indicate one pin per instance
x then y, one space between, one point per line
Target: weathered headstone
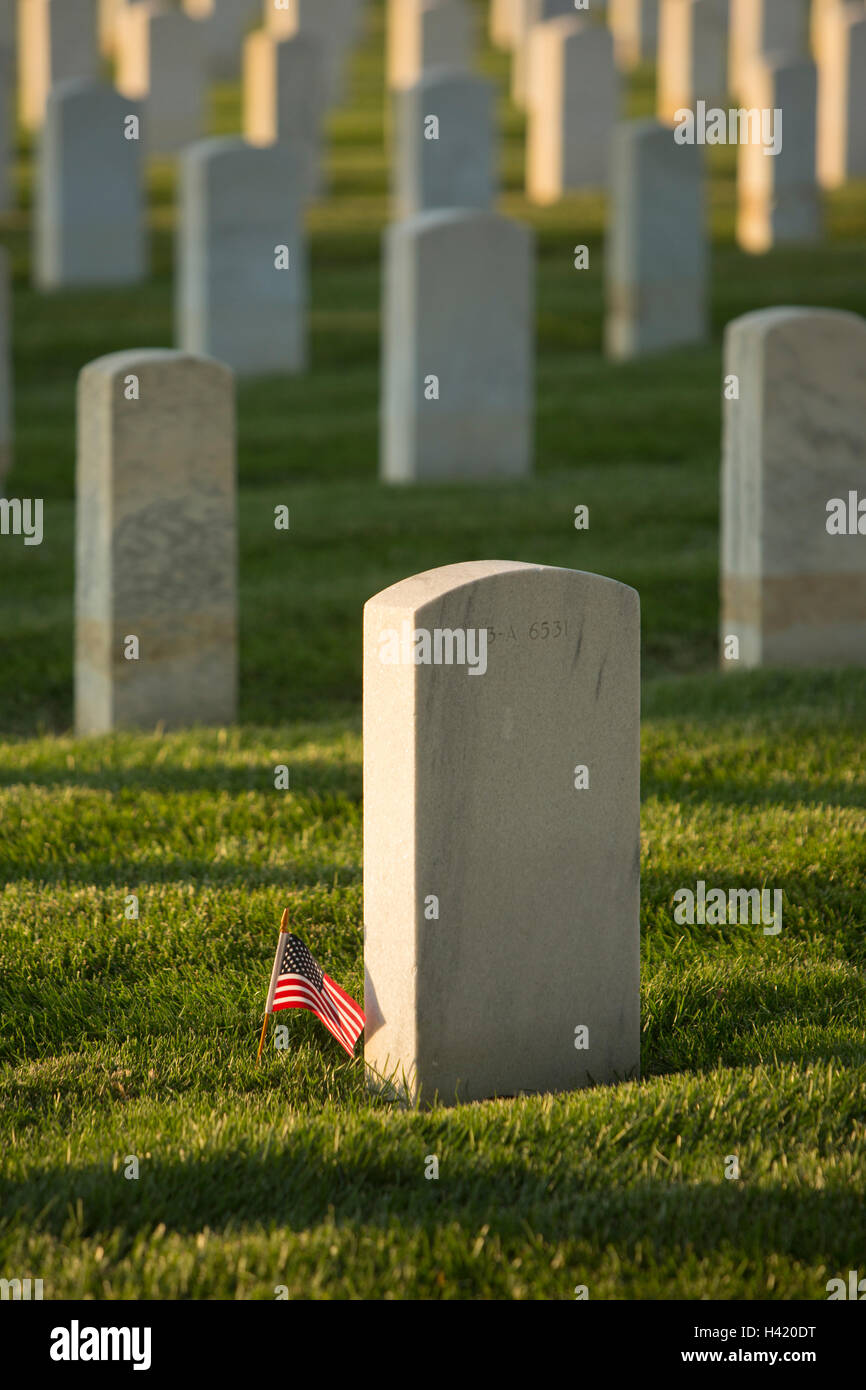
574 108
284 98
5 369
241 286
777 194
528 14
692 55
56 39
155 543
842 96
793 581
109 11
501 832
457 378
444 156
759 28
160 59
425 34
634 25
89 213
656 256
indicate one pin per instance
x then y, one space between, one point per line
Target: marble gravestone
793 567
778 199
56 39
574 108
155 543
634 25
89 205
656 257
528 15
444 145
426 34
224 24
284 99
502 21
457 364
692 55
324 20
161 60
241 281
501 832
842 96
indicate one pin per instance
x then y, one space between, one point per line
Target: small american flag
298 982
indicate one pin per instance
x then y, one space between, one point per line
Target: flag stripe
290 989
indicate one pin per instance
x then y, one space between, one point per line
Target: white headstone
761 27
501 832
503 14
225 23
89 207
444 155
793 545
155 543
56 39
692 55
634 25
656 254
777 194
284 98
425 34
160 59
457 377
842 97
527 15
241 281
574 108
324 20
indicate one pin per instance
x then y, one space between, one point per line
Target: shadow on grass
299 1188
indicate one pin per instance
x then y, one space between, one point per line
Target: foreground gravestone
56 39
425 34
528 15
5 370
89 214
444 155
634 25
284 98
160 59
759 28
574 108
777 194
241 289
842 96
457 380
793 583
156 563
501 831
692 55
656 256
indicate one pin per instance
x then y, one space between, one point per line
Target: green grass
124 1037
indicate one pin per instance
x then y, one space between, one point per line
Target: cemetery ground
138 1038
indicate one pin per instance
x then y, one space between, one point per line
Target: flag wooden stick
284 927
